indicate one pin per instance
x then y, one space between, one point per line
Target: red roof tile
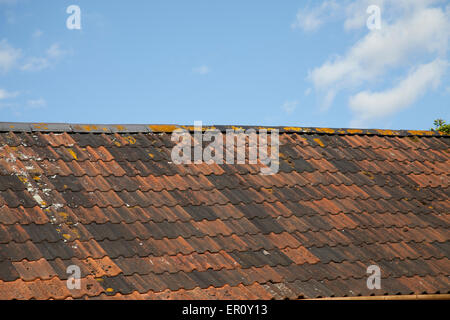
109 200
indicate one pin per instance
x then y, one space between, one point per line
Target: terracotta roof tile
108 199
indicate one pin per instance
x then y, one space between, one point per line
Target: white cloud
8 56
38 103
201 70
37 34
369 105
412 33
40 63
289 106
6 94
310 19
36 64
55 51
427 31
355 13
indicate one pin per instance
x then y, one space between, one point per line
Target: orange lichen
267 128
89 127
297 129
386 132
23 179
325 130
40 126
420 132
120 127
353 131
74 155
206 128
319 142
64 215
162 127
130 139
369 174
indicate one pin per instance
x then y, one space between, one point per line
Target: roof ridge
168 128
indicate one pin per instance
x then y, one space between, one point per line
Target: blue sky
295 63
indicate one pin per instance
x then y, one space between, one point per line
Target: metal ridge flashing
168 128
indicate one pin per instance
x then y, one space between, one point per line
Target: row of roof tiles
400 226
93 289
222 197
134 128
158 140
215 265
333 207
156 248
101 183
339 169
300 262
133 154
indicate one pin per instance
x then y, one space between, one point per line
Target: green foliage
440 125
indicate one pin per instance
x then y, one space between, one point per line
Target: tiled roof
108 199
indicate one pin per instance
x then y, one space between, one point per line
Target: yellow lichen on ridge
325 130
353 131
420 132
120 127
40 126
267 128
387 132
297 129
162 127
89 127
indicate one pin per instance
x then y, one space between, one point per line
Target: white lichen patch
57 206
11 158
41 193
